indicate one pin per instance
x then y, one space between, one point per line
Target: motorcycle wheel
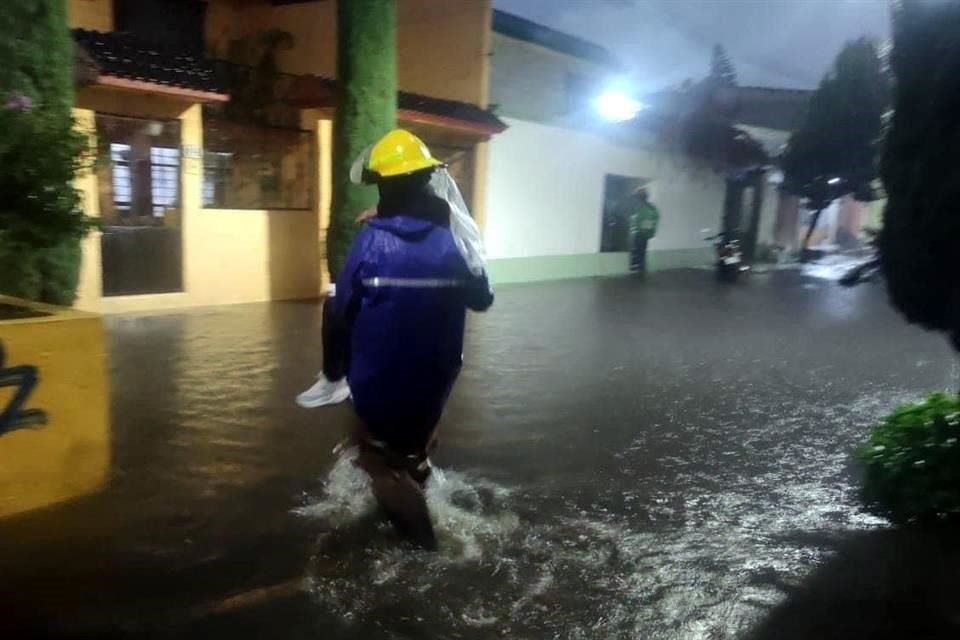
726 274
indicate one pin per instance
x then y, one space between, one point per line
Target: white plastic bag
466 233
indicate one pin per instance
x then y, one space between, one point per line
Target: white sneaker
324 393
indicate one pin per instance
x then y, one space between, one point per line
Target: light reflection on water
704 562
624 460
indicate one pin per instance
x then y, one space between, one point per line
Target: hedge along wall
40 220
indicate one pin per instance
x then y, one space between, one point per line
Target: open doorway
615 232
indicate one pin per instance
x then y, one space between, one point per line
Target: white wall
531 82
545 192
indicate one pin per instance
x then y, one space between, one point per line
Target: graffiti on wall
23 379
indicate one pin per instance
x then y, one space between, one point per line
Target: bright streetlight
616 106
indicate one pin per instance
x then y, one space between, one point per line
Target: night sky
781 43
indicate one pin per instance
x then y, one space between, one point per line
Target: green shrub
41 221
913 462
41 218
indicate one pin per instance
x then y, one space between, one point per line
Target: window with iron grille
138 169
254 167
164 178
121 177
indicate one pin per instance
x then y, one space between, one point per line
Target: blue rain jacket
404 292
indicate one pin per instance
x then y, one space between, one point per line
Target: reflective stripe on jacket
405 290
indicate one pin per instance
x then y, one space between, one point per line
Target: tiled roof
319 91
122 55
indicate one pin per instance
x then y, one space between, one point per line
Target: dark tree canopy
920 241
698 119
835 151
721 67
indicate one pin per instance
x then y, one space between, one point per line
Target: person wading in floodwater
400 304
644 219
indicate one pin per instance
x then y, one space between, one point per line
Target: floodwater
619 460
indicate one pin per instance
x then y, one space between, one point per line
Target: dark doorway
138 175
742 207
615 232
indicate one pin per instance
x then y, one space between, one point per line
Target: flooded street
619 460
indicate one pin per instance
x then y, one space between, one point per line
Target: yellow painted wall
89 288
321 125
253 256
229 256
442 45
96 15
442 48
70 455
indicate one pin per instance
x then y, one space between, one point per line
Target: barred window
139 169
249 167
165 178
122 178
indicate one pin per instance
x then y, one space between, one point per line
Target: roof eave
183 93
449 122
311 92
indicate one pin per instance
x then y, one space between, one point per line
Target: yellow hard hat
399 153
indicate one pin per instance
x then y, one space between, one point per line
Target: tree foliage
366 72
921 172
835 151
41 221
698 122
721 67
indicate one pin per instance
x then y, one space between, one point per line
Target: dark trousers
638 256
398 480
336 343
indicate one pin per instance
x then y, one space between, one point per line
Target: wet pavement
619 460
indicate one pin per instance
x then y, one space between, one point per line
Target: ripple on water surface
711 553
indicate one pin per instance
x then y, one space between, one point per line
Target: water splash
700 558
346 493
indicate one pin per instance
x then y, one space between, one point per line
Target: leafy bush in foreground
913 462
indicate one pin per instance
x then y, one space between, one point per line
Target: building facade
213 123
557 174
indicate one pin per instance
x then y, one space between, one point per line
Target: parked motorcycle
867 270
729 264
864 272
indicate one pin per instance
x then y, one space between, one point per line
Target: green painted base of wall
592 265
681 258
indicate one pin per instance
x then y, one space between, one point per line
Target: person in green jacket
644 219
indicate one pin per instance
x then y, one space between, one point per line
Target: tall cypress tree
721 67
919 240
366 73
41 222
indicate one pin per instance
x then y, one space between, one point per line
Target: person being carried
331 386
410 276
